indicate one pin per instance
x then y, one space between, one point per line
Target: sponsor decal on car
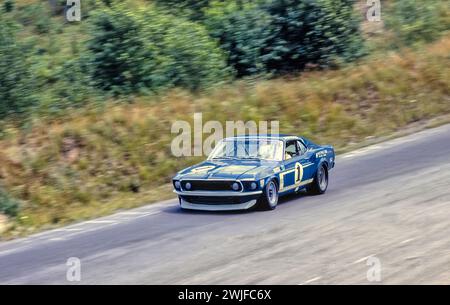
321 154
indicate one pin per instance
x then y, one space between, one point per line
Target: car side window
291 150
301 147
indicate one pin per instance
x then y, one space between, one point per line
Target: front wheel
320 182
269 199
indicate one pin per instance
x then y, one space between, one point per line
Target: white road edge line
407 241
100 221
57 239
363 259
130 213
311 280
68 230
148 214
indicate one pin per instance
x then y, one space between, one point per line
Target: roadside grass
95 160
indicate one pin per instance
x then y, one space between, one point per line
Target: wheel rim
272 194
323 181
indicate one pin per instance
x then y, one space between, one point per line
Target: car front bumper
217 207
217 200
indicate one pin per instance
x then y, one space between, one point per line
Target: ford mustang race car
253 171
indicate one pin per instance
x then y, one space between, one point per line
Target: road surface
386 204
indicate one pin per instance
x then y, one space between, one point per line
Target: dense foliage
193 9
15 81
8 205
419 21
280 36
321 32
130 48
243 30
8 5
149 49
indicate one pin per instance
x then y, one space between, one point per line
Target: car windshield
265 149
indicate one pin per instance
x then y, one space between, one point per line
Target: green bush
8 5
117 52
185 54
322 32
415 21
149 50
8 205
192 59
36 15
15 79
70 87
243 30
284 36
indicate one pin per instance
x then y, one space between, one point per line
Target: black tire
320 182
269 198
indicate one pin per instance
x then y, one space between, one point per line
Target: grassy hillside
94 160
86 108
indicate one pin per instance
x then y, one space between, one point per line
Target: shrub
36 15
8 205
186 55
117 51
71 88
321 32
8 5
283 36
15 81
242 29
418 21
150 49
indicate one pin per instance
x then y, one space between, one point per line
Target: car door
297 164
290 176
307 163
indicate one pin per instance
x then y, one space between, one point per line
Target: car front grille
210 185
210 200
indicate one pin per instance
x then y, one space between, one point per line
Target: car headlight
177 184
253 185
188 186
235 186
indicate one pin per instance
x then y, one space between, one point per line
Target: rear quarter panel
321 154
325 154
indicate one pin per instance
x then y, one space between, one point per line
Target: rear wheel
269 198
320 182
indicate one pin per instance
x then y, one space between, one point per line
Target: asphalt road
390 202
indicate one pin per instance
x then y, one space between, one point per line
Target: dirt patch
70 149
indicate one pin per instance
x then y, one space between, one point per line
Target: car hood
228 169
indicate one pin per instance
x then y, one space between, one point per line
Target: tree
117 51
150 49
243 30
318 32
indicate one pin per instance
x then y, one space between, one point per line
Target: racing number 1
298 173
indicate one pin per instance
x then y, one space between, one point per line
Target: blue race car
253 171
